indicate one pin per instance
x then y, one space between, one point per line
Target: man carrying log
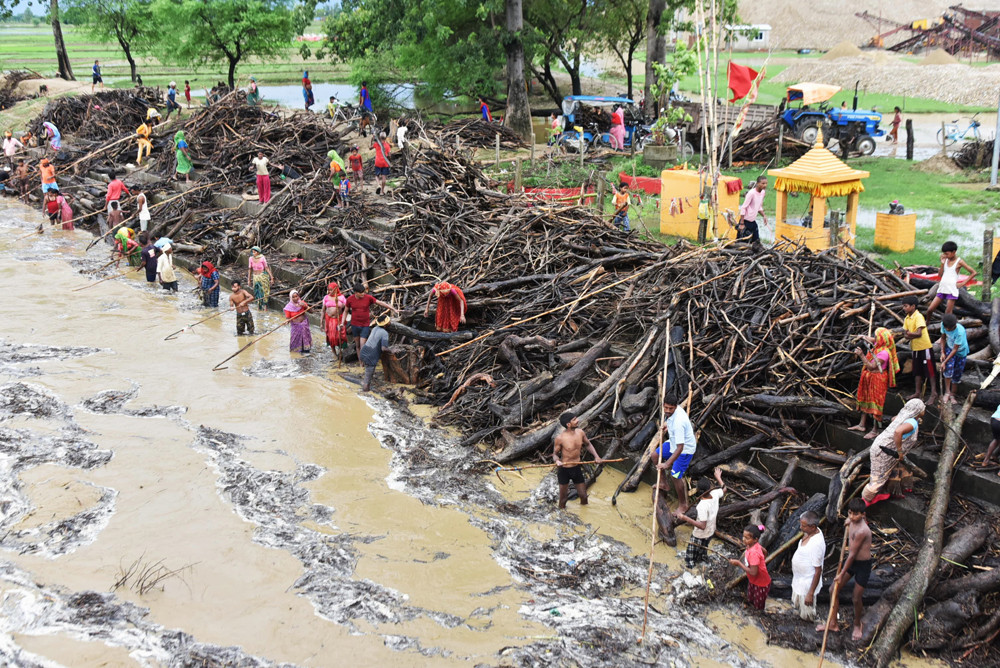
858 565
450 307
680 435
566 454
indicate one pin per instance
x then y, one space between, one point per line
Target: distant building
751 37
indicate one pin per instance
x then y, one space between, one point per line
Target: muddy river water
157 513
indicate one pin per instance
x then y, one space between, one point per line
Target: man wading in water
566 455
240 300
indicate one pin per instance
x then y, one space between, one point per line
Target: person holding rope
567 447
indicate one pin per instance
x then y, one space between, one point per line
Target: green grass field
24 46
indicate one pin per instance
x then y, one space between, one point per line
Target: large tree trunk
901 618
518 115
65 69
656 49
232 71
131 61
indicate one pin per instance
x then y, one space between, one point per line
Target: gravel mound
939 57
956 84
842 50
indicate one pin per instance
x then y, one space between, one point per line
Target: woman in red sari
334 313
450 308
877 375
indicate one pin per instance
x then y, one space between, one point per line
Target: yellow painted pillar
818 238
852 217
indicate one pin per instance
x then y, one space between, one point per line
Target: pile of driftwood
758 143
477 132
9 92
974 155
224 137
101 116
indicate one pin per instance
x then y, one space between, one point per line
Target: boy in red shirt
357 167
382 163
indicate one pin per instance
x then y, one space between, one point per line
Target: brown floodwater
293 521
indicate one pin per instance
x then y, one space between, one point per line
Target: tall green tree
518 116
622 30
62 58
446 47
129 23
222 31
563 30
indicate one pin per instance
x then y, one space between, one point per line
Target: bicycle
950 132
357 118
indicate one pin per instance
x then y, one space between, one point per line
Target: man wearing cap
10 147
371 352
359 306
165 269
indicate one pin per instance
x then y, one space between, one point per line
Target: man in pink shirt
115 188
753 206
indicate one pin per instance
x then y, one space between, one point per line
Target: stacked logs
478 133
757 143
101 116
974 155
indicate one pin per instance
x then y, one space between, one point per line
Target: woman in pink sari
618 129
65 212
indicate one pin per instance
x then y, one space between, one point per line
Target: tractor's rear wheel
865 145
807 132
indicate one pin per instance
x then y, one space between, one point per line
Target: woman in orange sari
334 313
877 375
450 308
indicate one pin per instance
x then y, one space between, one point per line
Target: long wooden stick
219 367
502 468
656 493
124 273
215 315
157 205
99 151
833 597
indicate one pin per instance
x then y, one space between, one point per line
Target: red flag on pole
741 78
751 98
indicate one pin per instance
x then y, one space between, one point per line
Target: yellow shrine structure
822 175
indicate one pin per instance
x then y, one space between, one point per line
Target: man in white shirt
807 566
165 269
707 511
683 446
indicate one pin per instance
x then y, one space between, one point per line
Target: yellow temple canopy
820 173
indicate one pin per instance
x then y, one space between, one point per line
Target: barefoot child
954 349
858 565
995 428
921 350
566 454
357 167
704 527
948 283
681 435
754 564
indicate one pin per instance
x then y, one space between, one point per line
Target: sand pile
842 50
939 164
939 57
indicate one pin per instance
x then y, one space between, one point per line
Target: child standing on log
948 282
954 350
754 564
921 349
680 433
704 527
568 446
857 564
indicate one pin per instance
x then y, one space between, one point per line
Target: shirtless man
857 564
23 175
566 455
241 300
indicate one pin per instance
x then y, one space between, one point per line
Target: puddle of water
291 96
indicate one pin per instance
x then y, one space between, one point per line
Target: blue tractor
854 129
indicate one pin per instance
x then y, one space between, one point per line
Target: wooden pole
601 189
127 271
781 140
219 367
656 492
517 175
987 263
498 150
173 336
532 161
944 139
833 597
909 139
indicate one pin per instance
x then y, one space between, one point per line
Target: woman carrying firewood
878 374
